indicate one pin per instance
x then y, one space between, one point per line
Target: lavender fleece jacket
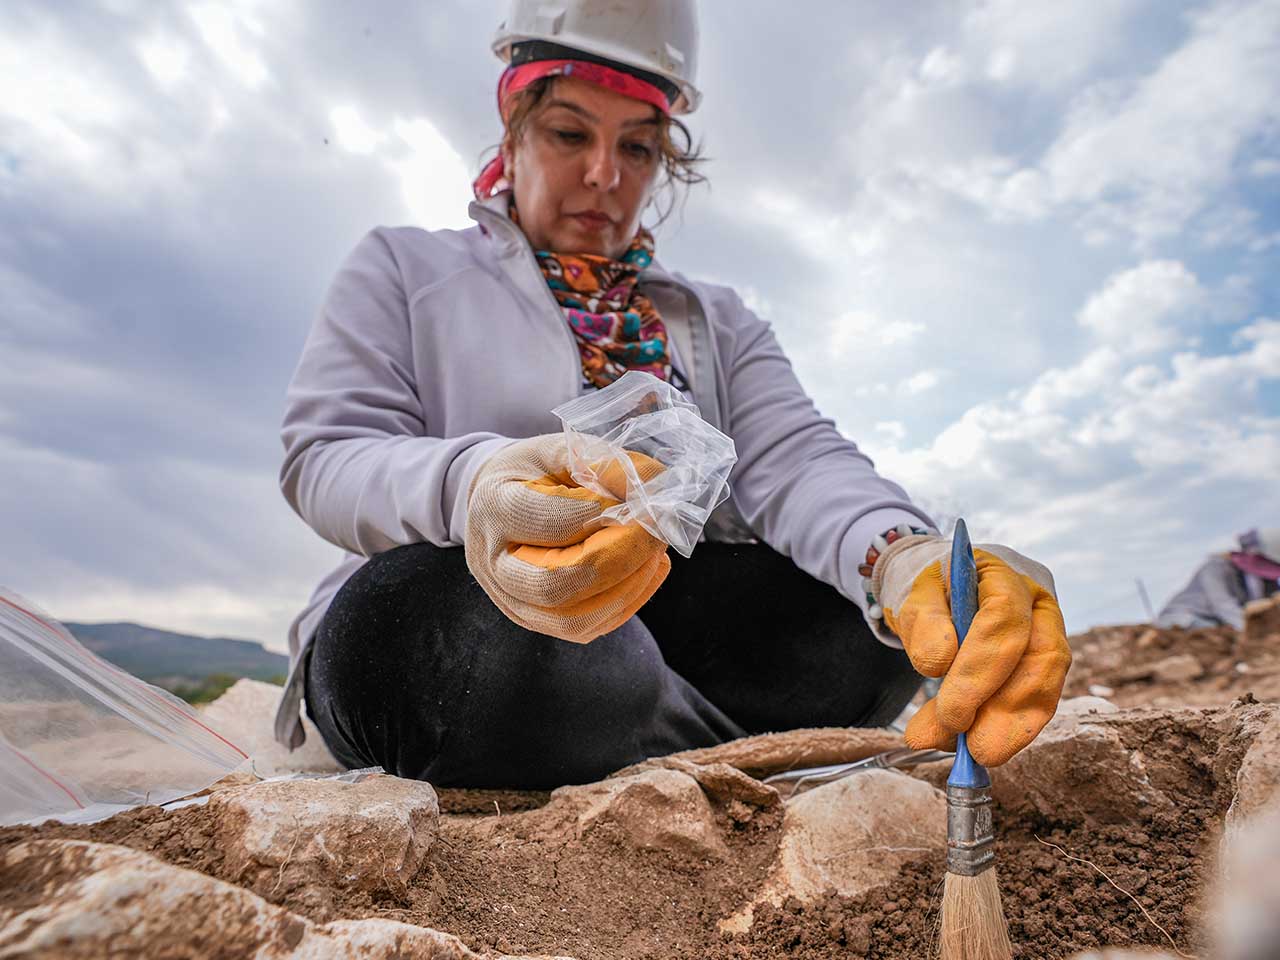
435 348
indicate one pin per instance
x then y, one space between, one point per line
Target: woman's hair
679 156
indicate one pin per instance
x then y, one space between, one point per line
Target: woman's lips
592 220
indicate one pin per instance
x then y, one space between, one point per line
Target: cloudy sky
1024 252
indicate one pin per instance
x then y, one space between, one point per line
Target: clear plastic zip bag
81 739
640 414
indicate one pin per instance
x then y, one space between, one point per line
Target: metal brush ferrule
970 832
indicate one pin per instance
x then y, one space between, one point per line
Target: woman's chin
577 240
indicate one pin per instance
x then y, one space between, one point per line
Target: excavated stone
663 809
85 901
304 838
1075 707
1079 756
1070 711
850 836
767 753
1179 668
1261 633
244 716
1258 781
720 781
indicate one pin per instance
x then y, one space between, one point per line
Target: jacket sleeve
806 489
361 466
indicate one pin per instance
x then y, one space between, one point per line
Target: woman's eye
569 136
641 151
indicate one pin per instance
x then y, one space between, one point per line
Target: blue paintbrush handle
965 772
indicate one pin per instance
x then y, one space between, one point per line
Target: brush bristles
972 926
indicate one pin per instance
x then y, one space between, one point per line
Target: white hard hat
1269 544
657 39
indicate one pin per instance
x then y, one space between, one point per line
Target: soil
1054 906
1124 661
509 874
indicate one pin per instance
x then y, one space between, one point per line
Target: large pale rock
245 714
1075 707
85 901
661 808
1258 781
850 835
1079 768
301 839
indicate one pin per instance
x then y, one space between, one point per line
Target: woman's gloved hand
1003 684
537 546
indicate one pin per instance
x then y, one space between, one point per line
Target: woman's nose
602 169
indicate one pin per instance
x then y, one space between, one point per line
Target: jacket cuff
462 472
853 553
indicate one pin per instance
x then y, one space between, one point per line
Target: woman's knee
416 670
379 648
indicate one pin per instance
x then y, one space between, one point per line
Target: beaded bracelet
878 546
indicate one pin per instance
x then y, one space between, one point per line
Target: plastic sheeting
81 739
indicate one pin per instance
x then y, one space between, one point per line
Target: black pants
414 669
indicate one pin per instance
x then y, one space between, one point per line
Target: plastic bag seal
638 414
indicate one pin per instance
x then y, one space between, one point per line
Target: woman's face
584 168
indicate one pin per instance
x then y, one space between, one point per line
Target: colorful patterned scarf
617 327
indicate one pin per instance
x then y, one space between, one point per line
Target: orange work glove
1003 684
536 544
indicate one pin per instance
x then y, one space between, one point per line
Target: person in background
1218 591
484 629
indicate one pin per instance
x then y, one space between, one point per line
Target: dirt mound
1140 665
651 863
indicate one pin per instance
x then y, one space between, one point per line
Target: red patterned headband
492 178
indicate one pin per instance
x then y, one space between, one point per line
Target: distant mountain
174 659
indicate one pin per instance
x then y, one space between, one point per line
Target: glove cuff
891 581
891 541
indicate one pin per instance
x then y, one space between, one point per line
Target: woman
1219 590
419 438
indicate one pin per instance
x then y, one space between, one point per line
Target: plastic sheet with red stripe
81 739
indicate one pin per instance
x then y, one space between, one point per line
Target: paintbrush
972 926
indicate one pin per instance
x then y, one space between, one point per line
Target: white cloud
942 66
893 430
352 133
1151 157
921 381
1047 44
1136 311
230 34
166 57
1158 451
862 331
435 181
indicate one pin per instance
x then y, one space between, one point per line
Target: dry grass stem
1151 919
973 925
297 832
